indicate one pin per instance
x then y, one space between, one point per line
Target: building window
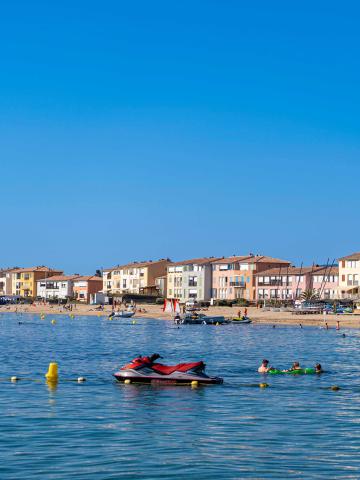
193 281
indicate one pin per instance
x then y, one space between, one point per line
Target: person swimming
264 367
318 368
295 366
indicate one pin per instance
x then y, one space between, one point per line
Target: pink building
289 283
325 280
283 283
235 277
86 286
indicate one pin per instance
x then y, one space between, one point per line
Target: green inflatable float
301 371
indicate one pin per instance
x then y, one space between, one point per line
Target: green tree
310 295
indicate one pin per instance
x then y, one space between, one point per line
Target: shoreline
155 311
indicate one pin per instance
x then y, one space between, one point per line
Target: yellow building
24 279
135 278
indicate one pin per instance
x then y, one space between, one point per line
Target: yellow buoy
127 381
81 379
53 322
194 384
14 379
52 373
263 385
335 388
134 322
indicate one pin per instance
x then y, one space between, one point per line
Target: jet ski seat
181 367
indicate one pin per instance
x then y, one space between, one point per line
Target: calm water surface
297 428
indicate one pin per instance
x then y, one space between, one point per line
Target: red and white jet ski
145 370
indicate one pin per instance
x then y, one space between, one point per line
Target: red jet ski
145 370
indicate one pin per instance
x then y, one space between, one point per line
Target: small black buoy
343 335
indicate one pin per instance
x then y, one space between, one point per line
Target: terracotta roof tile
194 261
36 269
353 256
135 265
59 278
286 271
252 259
88 278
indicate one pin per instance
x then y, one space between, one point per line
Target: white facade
5 282
349 277
189 281
52 288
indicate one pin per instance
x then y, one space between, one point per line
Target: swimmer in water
264 367
318 368
295 366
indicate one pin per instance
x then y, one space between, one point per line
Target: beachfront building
349 276
135 278
283 283
190 279
161 285
24 280
235 277
325 281
6 281
108 282
56 287
85 287
291 282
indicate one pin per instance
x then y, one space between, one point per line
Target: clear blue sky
137 130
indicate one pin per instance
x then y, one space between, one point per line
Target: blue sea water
296 428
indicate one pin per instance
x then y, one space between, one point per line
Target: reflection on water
296 428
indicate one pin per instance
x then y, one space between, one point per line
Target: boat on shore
122 314
200 319
241 320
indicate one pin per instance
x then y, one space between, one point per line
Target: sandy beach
257 315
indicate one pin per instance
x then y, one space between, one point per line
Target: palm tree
310 295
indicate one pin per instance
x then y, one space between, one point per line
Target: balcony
274 283
237 284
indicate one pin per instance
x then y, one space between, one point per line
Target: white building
190 279
349 276
58 286
6 281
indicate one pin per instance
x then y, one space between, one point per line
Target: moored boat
241 320
122 314
145 370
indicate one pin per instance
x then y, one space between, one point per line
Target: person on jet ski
154 357
150 360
